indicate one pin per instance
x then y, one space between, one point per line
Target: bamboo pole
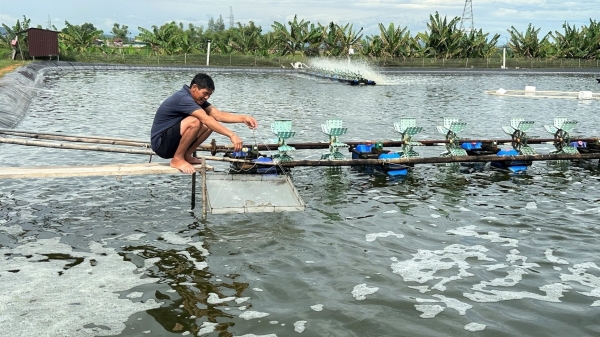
99 148
263 147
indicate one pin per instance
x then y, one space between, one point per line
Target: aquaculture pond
440 252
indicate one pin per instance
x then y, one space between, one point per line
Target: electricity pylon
466 22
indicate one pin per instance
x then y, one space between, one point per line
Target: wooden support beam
90 170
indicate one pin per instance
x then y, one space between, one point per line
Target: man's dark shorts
167 142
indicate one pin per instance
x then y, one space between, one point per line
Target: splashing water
355 66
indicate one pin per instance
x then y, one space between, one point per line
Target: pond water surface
438 253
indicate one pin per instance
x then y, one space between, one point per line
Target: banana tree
443 38
372 46
394 40
476 45
11 33
79 38
163 40
349 37
529 44
245 38
301 36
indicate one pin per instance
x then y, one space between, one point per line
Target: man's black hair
203 81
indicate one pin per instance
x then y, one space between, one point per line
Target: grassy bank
6 66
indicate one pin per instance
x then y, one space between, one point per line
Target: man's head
203 81
202 87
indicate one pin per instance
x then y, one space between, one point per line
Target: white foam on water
174 239
491 236
240 300
317 307
580 274
435 216
554 259
44 303
300 326
135 294
253 335
595 304
214 299
426 263
200 265
12 230
273 322
531 205
248 315
391 211
553 294
421 289
474 327
134 237
257 289
373 236
200 247
206 328
463 209
361 291
428 310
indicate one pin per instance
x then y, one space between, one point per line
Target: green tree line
443 39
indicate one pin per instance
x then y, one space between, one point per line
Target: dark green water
438 253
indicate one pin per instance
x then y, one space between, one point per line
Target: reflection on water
441 252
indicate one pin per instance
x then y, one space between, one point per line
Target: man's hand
250 122
237 142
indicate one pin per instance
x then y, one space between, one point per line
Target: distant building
42 42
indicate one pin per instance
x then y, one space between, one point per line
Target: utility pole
230 17
49 24
466 22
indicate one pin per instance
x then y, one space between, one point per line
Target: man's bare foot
193 160
182 166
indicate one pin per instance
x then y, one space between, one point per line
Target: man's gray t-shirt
172 111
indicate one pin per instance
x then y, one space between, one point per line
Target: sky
492 16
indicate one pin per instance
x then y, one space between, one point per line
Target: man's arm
217 127
227 117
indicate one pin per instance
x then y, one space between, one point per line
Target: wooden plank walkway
91 170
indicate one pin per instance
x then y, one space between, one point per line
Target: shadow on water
189 291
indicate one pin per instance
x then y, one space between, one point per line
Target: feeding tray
250 193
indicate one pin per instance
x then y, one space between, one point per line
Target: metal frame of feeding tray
251 193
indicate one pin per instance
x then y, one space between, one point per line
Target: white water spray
354 66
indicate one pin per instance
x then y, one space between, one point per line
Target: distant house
42 42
